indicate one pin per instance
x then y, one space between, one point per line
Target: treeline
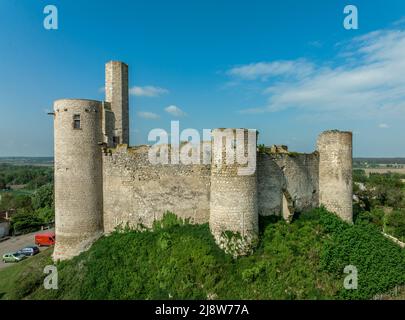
380 160
29 212
32 206
380 199
31 176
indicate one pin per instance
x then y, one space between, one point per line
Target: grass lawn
9 276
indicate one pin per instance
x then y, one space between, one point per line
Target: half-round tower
233 201
335 173
78 175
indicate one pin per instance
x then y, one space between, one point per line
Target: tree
2 183
46 215
43 197
10 201
25 221
395 223
22 201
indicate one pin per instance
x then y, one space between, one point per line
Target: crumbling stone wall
291 176
137 192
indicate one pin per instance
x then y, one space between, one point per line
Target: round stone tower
233 203
335 173
78 175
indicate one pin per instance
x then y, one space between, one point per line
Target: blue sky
288 68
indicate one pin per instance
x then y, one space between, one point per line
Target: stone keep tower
116 93
78 175
233 202
335 173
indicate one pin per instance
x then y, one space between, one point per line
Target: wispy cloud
266 70
315 44
148 115
175 111
147 91
368 81
399 22
383 126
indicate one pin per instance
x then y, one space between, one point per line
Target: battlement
278 149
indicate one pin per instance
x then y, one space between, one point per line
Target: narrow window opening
76 121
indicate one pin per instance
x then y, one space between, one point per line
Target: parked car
29 251
45 239
13 257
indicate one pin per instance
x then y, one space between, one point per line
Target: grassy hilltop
301 260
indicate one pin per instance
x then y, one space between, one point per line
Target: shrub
25 221
43 197
395 224
380 262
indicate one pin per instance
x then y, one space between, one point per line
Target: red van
45 239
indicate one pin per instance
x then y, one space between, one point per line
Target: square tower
116 93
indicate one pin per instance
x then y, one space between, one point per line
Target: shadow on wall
287 183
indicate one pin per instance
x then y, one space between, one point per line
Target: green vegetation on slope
381 201
301 260
30 270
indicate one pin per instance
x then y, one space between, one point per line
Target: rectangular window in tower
76 121
116 140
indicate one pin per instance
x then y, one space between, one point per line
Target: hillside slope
301 260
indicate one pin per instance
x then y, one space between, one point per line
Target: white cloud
368 82
175 111
315 44
265 70
383 126
147 91
148 115
399 22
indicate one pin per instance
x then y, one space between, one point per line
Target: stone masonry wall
335 172
233 204
293 175
116 93
137 192
78 179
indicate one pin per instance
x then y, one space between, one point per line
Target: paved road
15 243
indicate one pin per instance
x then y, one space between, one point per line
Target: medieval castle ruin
101 182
